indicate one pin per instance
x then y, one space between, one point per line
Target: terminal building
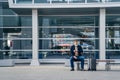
42 31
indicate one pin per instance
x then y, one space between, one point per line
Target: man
76 54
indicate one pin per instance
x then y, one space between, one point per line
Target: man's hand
75 51
75 57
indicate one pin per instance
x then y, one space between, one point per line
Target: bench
6 63
107 66
108 61
77 64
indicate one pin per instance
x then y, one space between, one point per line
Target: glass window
112 54
92 1
18 44
11 30
21 55
1 41
10 21
59 1
77 1
1 54
17 21
26 21
53 54
74 32
59 43
1 21
1 11
0 5
17 32
24 1
113 0
56 35
113 32
64 54
113 43
113 21
42 1
69 21
16 55
8 12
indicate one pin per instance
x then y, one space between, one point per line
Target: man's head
75 42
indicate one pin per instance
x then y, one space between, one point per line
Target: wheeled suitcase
92 64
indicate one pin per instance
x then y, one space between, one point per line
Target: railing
61 1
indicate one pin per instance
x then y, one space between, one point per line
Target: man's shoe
72 70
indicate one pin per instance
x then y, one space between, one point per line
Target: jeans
79 58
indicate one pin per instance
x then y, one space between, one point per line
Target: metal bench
77 64
107 66
7 63
108 61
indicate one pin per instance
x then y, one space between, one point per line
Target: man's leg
81 58
72 62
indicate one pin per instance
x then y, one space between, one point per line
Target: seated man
76 54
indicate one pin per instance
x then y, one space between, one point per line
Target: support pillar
102 54
35 59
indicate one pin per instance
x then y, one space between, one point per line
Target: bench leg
78 66
107 67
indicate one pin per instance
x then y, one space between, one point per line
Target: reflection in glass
77 1
1 21
16 44
113 32
16 55
24 1
113 43
64 54
54 54
68 21
42 1
8 12
65 44
26 21
17 21
93 1
71 32
59 1
113 21
9 21
112 54
112 0
16 32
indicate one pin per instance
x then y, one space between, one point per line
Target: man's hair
75 40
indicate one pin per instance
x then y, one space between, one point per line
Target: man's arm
80 50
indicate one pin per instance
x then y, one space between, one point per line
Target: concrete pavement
54 72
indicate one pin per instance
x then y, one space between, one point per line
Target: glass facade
61 1
113 37
56 34
56 31
15 34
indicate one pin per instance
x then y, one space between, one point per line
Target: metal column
102 36
35 60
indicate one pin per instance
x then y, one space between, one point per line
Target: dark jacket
80 50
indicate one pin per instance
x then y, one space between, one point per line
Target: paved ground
54 72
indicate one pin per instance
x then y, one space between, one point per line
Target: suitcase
92 64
